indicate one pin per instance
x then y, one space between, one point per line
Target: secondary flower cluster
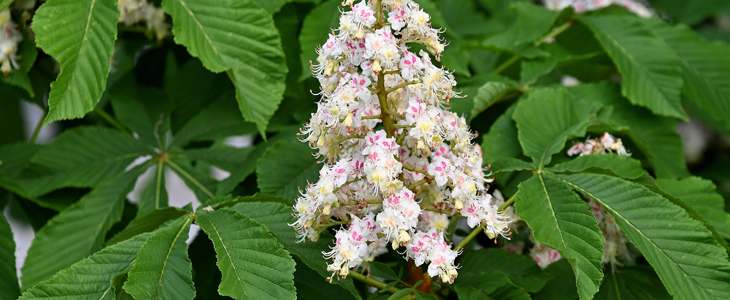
614 244
587 5
605 144
397 164
133 11
9 39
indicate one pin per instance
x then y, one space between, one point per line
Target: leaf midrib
615 213
228 253
76 61
169 251
631 58
197 22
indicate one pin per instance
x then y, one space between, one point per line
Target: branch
372 282
395 88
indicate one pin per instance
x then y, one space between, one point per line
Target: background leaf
83 46
92 277
162 269
619 165
704 68
286 167
9 288
562 221
546 119
238 37
315 29
651 76
253 264
701 194
630 284
683 252
522 270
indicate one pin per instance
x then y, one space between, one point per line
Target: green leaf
382 270
144 110
83 227
521 270
219 120
532 21
683 252
493 285
15 157
92 277
286 167
651 76
562 221
490 93
501 140
81 157
701 194
162 269
546 119
561 286
315 30
145 223
705 66
506 41
532 69
238 37
619 165
83 46
655 136
253 264
225 157
8 277
511 164
630 285
277 217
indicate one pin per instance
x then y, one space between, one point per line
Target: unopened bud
376 66
348 120
320 141
458 205
359 34
327 209
403 237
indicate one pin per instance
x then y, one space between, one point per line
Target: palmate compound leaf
83 46
562 221
501 141
162 269
9 289
490 93
705 66
238 37
683 252
254 265
92 277
277 217
79 230
546 119
651 76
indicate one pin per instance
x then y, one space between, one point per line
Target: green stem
189 177
38 126
506 64
417 184
371 117
468 238
507 203
111 120
552 34
395 88
372 201
555 32
372 282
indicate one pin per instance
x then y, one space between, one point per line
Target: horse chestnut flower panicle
9 39
397 164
